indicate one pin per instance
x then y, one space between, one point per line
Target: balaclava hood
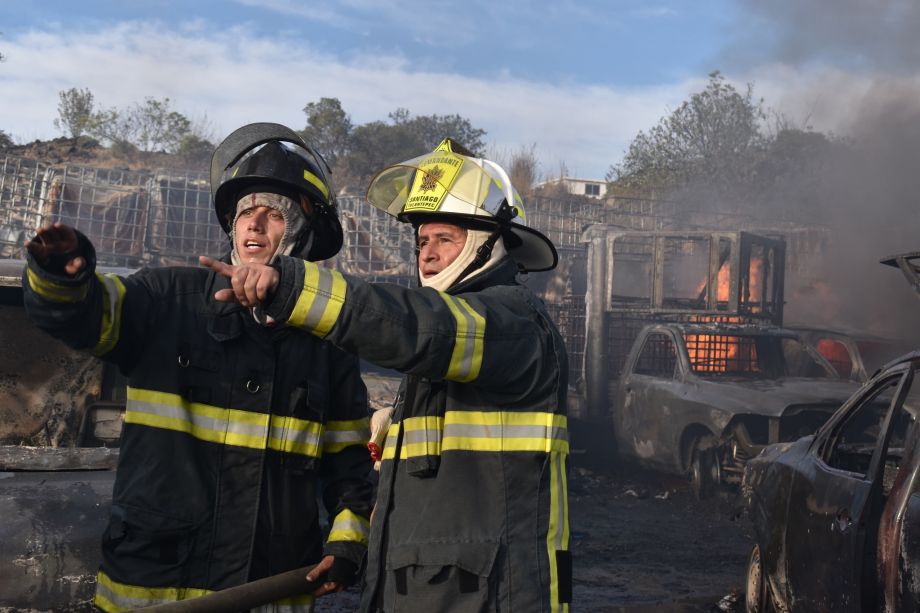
295 221
474 239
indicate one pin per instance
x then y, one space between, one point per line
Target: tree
5 141
429 130
114 127
150 126
355 153
328 128
75 110
375 145
158 126
523 169
712 140
195 151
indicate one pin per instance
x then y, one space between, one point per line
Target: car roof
729 329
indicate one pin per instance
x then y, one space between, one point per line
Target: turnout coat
229 429
472 507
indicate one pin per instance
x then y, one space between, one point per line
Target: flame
724 283
836 353
755 284
711 353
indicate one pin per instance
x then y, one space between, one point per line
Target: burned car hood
771 397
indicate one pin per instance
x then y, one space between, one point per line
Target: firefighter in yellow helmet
232 430
472 510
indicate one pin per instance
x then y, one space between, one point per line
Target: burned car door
832 523
899 526
649 389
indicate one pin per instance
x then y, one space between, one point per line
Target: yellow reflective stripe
423 435
490 431
317 182
114 596
233 427
349 526
205 422
389 445
466 357
505 431
557 536
53 291
294 604
341 434
320 302
113 296
293 435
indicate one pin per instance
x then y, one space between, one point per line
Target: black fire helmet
272 157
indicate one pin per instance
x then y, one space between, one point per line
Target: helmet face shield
439 182
251 163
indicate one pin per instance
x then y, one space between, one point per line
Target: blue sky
575 80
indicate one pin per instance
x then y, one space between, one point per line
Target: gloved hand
334 573
344 572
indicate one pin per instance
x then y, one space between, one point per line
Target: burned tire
705 472
757 597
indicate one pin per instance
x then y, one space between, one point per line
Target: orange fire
723 280
722 353
755 284
836 353
710 353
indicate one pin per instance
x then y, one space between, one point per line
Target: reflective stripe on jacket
228 430
472 503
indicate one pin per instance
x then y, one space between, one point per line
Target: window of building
592 189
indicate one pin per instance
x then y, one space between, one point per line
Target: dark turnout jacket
472 508
230 427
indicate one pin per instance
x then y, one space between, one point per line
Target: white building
592 188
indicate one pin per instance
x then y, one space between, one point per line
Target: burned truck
685 361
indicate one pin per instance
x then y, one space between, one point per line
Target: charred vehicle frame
705 398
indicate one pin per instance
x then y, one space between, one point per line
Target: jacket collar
503 273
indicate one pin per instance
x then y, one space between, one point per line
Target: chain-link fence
165 217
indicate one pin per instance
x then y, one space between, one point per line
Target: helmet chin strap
483 253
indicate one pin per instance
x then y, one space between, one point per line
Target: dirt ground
641 543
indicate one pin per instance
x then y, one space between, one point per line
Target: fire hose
244 597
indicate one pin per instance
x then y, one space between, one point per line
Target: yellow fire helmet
451 185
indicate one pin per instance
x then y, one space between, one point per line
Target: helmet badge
431 178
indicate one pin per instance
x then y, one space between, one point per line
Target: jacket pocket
149 548
448 577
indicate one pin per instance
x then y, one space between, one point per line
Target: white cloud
656 11
233 79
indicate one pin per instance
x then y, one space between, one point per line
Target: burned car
61 419
840 349
836 515
704 398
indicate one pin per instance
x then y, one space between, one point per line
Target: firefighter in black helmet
232 429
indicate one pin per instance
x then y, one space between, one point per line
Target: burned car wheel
704 469
756 594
